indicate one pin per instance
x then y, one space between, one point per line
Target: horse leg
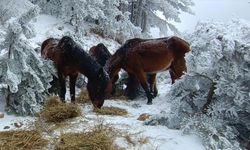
113 83
152 84
62 86
72 80
142 78
132 88
177 68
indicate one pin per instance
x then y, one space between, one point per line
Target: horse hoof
149 103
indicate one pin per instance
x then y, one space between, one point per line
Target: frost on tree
218 78
99 16
143 13
24 77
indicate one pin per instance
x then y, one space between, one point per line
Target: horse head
48 47
66 43
100 53
99 88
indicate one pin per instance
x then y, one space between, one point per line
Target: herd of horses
142 59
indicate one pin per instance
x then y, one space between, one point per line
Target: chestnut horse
101 54
71 59
140 56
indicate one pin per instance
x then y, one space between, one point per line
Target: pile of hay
120 97
114 111
56 111
22 140
100 138
83 97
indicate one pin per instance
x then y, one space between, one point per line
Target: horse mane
128 44
74 54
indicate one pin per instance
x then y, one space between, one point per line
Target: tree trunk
133 12
144 21
8 89
139 13
209 98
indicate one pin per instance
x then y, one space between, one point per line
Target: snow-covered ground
160 137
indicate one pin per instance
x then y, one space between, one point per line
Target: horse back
151 56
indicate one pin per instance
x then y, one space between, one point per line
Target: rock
1 115
18 124
6 127
143 117
61 28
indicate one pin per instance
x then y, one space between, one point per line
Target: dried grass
55 111
22 140
119 97
135 139
100 138
114 111
83 97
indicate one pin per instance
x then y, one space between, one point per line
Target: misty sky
218 10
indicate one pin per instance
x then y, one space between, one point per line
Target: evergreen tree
24 77
144 13
212 99
104 17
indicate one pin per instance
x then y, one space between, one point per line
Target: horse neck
88 66
113 67
91 72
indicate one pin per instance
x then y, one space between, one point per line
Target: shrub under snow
212 99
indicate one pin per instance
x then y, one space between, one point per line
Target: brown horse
49 51
101 54
141 56
70 59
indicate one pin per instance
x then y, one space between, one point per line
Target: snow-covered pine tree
218 78
24 77
101 16
144 13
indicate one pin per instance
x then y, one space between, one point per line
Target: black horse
101 54
71 59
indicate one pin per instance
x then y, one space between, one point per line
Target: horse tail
178 45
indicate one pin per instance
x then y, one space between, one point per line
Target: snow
160 137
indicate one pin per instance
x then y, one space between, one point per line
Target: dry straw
114 111
100 138
22 140
83 97
55 111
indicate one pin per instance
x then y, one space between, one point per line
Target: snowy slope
160 137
